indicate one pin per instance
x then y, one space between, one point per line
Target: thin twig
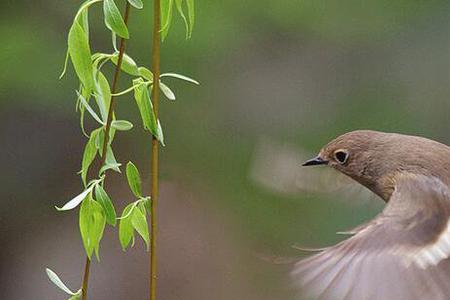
106 137
156 60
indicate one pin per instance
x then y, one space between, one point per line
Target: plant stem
156 61
106 136
87 267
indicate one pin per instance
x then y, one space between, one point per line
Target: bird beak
315 161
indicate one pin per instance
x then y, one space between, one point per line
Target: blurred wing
401 254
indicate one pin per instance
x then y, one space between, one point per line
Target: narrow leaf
98 227
112 134
84 21
179 4
66 61
114 41
136 3
167 91
105 201
122 125
85 221
99 60
147 205
80 55
134 179
84 7
114 20
179 76
159 134
111 159
86 95
139 222
166 17
146 73
107 167
125 226
100 140
90 151
191 15
92 223
75 201
58 282
103 95
142 97
128 64
89 109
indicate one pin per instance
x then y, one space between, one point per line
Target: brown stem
156 60
106 137
87 267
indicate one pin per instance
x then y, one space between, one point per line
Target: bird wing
401 254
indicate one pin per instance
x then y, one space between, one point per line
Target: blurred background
278 80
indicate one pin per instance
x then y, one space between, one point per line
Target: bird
403 252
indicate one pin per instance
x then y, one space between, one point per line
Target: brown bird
403 253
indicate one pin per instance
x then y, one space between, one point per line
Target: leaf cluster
94 97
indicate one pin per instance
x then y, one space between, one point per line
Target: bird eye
341 156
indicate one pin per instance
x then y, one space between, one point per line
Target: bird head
374 158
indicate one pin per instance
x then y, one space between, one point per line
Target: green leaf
114 41
100 140
146 73
86 96
166 17
92 223
84 223
191 15
84 21
98 227
99 60
167 91
136 3
159 134
80 54
90 151
114 20
134 179
142 97
58 282
142 205
179 76
125 227
84 7
128 64
103 95
89 108
112 134
122 125
105 201
81 18
75 201
111 160
77 296
106 167
139 222
146 205
66 61
179 4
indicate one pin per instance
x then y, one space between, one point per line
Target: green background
278 80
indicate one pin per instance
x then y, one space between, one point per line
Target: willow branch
106 136
156 60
